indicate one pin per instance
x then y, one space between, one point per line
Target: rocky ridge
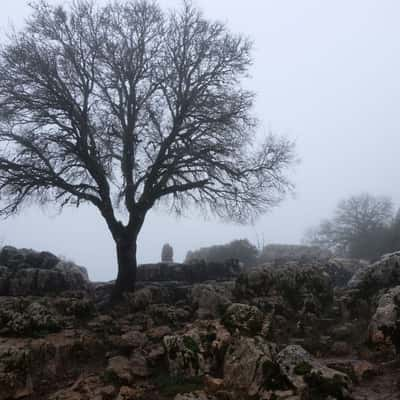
292 331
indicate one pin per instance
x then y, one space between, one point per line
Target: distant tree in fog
124 105
241 250
359 228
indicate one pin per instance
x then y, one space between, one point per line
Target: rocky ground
294 331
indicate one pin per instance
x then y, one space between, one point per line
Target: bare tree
123 105
357 228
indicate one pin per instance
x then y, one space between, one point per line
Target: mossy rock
303 368
191 344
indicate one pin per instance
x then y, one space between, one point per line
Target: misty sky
326 74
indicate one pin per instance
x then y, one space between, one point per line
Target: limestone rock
18 317
249 366
383 274
211 300
245 318
294 282
185 355
311 377
119 370
27 272
384 326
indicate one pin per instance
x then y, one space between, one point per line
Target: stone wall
190 273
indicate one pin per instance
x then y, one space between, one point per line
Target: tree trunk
126 278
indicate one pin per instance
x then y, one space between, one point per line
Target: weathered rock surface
26 272
310 377
245 318
249 367
385 323
185 355
211 300
244 338
294 283
384 274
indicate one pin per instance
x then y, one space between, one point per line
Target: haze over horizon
325 74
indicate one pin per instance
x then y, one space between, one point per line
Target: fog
326 74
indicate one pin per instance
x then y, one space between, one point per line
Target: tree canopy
124 105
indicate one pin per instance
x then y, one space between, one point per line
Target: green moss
303 368
191 344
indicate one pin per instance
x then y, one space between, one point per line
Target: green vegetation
303 368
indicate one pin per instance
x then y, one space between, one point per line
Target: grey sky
326 74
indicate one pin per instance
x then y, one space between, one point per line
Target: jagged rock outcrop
169 340
297 285
384 327
249 367
383 274
341 270
185 355
26 272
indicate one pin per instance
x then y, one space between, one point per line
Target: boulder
384 326
211 300
249 367
25 258
119 370
383 274
310 377
185 355
293 282
27 272
139 366
245 318
341 270
133 340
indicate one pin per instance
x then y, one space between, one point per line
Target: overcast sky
326 74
